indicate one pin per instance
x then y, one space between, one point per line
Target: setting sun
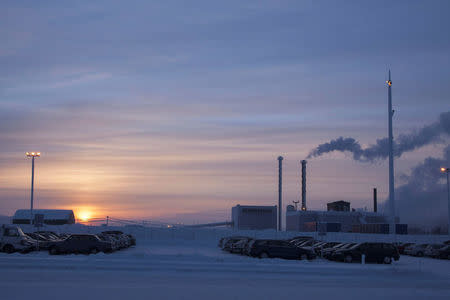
84 216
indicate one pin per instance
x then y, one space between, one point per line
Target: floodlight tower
32 155
280 185
447 170
391 159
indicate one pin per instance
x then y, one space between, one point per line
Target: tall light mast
391 159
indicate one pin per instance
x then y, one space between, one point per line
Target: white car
416 250
13 239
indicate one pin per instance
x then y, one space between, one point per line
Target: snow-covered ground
198 269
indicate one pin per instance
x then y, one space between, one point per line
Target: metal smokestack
280 169
375 200
303 184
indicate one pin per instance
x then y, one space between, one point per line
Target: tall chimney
375 200
303 184
280 169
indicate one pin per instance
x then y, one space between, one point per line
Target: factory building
51 216
338 206
342 221
246 217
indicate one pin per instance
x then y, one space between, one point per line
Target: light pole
392 228
32 155
447 170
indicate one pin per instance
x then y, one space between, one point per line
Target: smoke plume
380 150
422 199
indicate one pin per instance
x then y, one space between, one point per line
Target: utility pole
391 158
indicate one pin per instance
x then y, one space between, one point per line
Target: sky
178 110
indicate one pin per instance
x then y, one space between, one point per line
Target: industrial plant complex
339 216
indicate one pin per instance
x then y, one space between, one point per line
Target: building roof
49 214
339 202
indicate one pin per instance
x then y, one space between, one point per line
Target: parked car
304 243
111 239
280 249
416 249
123 240
224 240
300 238
402 246
49 235
325 245
374 252
80 243
328 251
240 245
432 250
132 240
444 252
13 239
228 246
42 242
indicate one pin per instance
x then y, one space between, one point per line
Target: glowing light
33 154
84 216
444 170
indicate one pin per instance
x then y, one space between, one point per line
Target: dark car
229 244
280 249
444 252
240 245
326 253
320 247
304 243
300 238
401 247
224 240
374 252
80 243
49 235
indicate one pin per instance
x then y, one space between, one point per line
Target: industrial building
247 217
349 221
51 216
339 217
338 206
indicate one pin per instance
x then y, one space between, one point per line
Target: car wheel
348 259
8 248
448 257
387 260
53 251
263 255
419 254
303 257
93 251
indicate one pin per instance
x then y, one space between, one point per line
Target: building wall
301 220
254 217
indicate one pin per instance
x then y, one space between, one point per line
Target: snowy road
196 270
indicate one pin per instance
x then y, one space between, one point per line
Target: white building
51 216
246 217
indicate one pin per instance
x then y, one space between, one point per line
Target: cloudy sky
179 109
